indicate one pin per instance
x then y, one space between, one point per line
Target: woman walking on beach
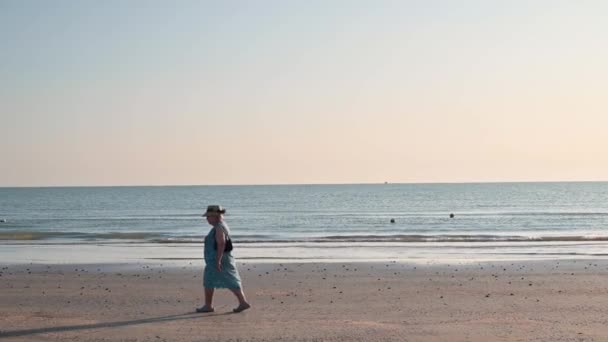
220 266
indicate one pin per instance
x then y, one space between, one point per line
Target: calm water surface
315 221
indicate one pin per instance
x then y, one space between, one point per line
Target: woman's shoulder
223 226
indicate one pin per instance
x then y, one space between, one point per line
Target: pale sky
265 92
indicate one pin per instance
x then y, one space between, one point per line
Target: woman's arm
220 238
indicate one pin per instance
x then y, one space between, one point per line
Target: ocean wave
402 238
546 213
44 235
25 235
165 238
459 238
177 240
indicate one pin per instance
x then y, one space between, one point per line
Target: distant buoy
392 220
451 215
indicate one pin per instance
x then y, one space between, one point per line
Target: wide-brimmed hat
214 210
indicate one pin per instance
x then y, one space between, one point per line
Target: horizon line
291 184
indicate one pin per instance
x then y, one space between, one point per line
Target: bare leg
209 297
243 305
208 307
239 295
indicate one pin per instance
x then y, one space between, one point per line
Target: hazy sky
249 92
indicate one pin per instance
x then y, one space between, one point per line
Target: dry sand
513 301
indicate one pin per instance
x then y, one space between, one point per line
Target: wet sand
509 301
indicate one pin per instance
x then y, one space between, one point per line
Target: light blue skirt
228 278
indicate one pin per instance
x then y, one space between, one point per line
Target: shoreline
418 253
486 301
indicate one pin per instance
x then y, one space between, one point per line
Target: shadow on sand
179 317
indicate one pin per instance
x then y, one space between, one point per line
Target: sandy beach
515 301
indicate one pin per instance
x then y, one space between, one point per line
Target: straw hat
214 210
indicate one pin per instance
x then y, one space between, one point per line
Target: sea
418 223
